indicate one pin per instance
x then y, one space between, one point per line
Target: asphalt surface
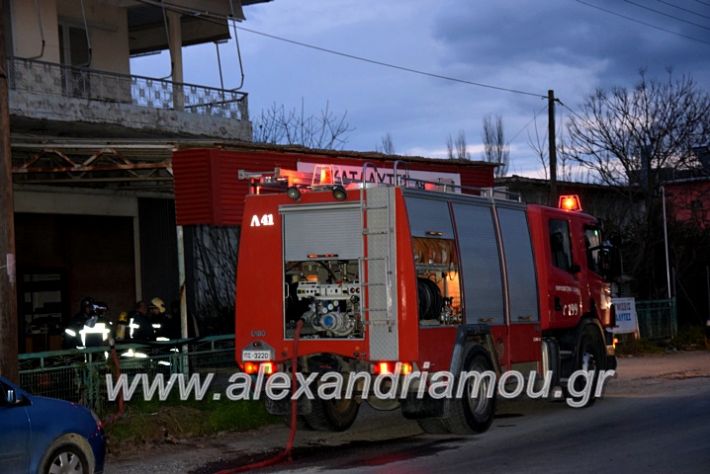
655 418
658 433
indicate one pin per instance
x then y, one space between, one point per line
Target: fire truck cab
416 276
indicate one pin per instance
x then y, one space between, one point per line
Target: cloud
520 44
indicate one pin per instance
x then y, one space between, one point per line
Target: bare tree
277 125
538 144
635 138
386 146
457 149
627 136
495 149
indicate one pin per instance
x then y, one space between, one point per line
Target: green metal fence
658 319
79 375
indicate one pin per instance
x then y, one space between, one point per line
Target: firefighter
139 327
71 332
121 326
97 328
163 322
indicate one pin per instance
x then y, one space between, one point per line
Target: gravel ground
637 377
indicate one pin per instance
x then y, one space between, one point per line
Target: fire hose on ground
293 422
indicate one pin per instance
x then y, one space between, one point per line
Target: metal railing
79 375
657 319
42 77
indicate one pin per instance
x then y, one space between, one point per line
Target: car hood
64 416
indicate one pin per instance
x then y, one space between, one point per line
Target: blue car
45 435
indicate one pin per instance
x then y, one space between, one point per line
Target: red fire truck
416 275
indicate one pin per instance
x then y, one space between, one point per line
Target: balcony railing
42 77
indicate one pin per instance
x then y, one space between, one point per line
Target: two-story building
92 145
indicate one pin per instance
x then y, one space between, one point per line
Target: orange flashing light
570 202
252 368
384 368
326 176
323 176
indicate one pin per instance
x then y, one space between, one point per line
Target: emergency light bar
570 202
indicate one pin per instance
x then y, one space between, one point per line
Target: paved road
654 419
663 433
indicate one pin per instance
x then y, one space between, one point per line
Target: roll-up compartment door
325 230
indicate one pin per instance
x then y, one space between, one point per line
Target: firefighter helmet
158 304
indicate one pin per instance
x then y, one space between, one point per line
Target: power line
571 110
209 16
659 12
535 114
389 65
683 9
703 3
591 5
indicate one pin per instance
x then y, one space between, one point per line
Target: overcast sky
531 45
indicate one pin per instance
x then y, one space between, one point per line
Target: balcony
121 105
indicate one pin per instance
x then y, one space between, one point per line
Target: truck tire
591 355
432 426
332 415
470 415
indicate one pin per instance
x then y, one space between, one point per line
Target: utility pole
553 146
8 291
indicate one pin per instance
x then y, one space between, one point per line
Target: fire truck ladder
378 289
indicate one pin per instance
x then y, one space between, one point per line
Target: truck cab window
592 244
560 244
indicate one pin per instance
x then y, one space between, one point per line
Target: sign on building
626 318
383 175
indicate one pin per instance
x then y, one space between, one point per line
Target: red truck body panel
563 296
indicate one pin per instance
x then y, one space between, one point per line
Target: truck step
566 354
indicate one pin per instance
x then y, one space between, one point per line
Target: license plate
256 355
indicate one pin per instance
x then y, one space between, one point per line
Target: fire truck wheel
472 414
301 423
432 426
591 356
332 415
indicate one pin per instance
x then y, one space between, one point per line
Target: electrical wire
591 5
390 65
659 12
41 31
683 9
522 129
703 3
239 51
167 39
88 36
210 16
572 111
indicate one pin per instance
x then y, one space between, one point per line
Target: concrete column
175 45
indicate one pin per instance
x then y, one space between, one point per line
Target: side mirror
11 397
609 263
